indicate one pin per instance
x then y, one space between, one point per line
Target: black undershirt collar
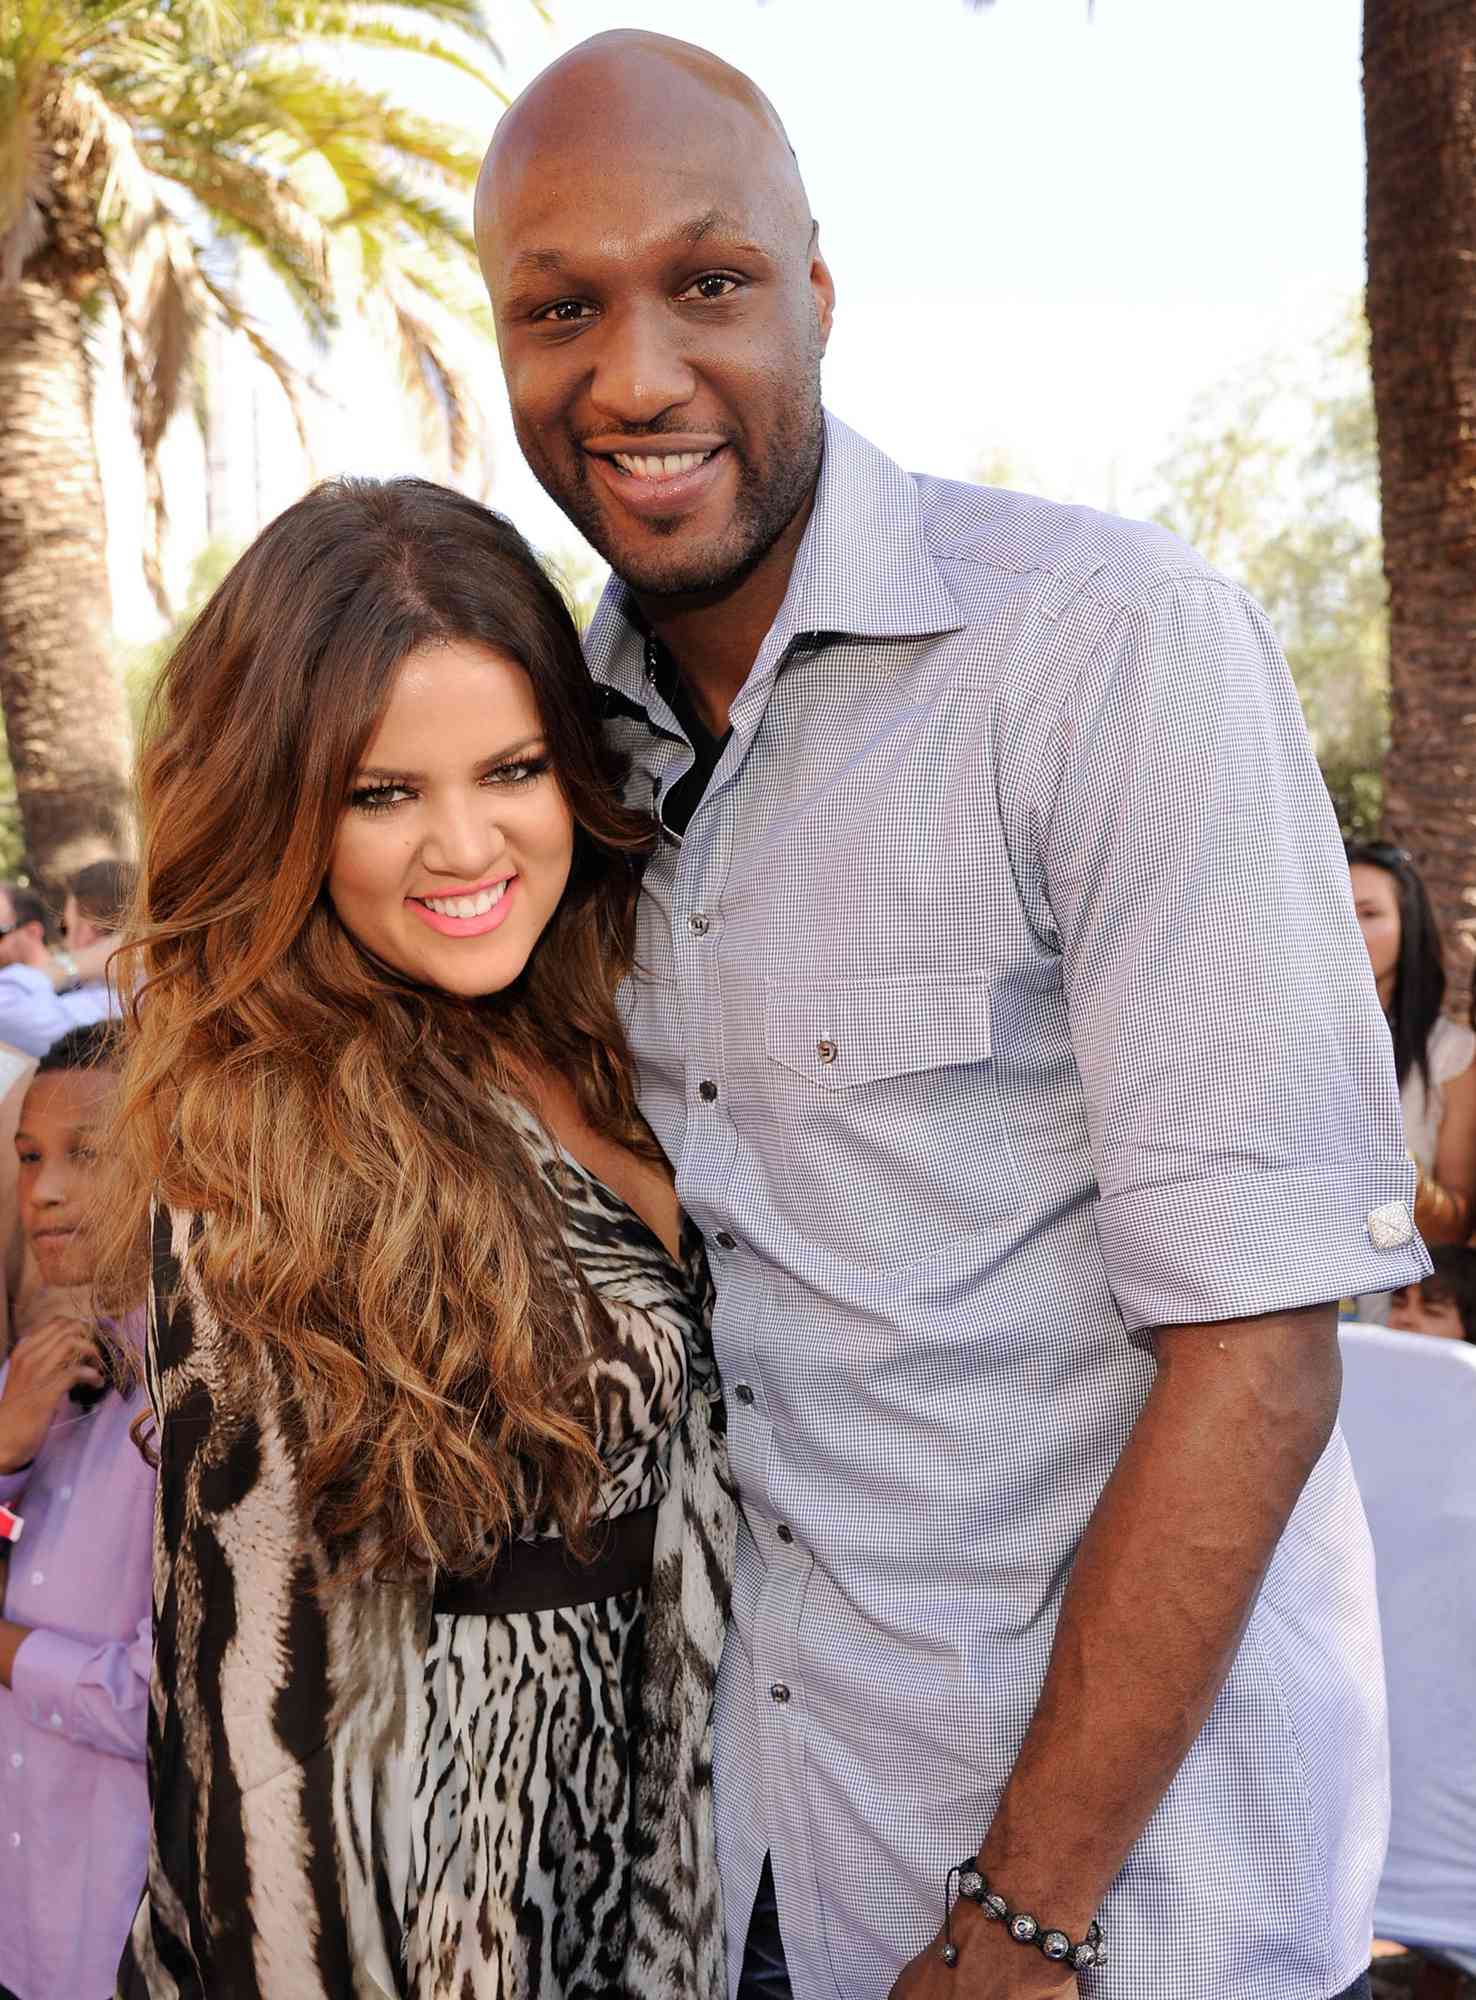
684 797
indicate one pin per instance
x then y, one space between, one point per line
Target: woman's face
1376 901
455 844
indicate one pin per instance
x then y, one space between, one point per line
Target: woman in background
1434 1056
442 1536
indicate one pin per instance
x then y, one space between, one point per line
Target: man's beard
766 501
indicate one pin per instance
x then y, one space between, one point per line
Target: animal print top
353 1797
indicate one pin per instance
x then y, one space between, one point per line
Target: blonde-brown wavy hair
375 1223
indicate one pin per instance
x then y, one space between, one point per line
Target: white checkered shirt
1003 999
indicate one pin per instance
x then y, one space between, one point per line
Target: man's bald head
628 90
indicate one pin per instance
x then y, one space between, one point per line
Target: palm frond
203 122
260 208
22 224
293 384
464 16
342 25
437 382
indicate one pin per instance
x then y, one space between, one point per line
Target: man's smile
658 476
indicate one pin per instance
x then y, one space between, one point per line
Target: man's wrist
1073 1948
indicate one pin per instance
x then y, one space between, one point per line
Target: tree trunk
1420 112
65 719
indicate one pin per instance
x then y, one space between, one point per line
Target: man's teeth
644 465
466 906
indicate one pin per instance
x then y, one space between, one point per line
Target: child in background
1442 1304
75 1616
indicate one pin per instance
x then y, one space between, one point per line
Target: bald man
1003 1014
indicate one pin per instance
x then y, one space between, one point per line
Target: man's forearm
1160 1592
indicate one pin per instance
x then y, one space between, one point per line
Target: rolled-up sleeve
90 1693
33 1015
1237 1067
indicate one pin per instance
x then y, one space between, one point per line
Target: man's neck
715 637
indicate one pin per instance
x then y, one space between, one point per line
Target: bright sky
1048 236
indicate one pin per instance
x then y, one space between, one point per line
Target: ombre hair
375 1222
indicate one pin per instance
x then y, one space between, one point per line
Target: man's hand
43 1367
92 960
23 947
990 1966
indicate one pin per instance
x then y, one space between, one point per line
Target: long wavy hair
377 1228
1419 978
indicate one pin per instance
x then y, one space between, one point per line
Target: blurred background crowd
1213 265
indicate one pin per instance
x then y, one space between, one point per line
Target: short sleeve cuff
1195 1251
44 1680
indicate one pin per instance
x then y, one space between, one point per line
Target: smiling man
1002 1010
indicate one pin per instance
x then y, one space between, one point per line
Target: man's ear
822 286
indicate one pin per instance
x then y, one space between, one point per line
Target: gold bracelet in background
1441 1216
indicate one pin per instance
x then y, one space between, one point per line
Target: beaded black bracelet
1022 1927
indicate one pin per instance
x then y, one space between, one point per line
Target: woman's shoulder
1452 1048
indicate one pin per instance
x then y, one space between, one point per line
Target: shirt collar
864 569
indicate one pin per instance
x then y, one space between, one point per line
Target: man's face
1426 1308
57 1168
661 315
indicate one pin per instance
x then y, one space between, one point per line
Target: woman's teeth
466 906
641 465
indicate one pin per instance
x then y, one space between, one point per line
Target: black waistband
544 1576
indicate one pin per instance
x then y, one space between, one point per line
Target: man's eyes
710 287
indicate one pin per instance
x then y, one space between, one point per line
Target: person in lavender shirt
75 1616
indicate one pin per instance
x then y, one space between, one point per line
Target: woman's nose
465 841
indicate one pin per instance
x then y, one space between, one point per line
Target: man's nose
641 370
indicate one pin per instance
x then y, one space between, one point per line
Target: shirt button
38 1576
16 1759
15 1840
784 1534
726 1240
827 1050
743 1393
779 1692
707 1090
66 1493
698 923
55 1720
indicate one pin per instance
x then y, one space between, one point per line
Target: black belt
544 1576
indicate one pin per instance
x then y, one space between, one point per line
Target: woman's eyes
383 797
377 798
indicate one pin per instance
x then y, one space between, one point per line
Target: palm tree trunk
65 720
1420 112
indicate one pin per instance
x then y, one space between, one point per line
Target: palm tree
1420 113
155 157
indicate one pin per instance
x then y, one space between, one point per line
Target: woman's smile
466 912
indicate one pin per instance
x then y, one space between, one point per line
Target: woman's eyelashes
379 797
385 793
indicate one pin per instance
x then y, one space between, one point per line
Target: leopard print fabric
353 1797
